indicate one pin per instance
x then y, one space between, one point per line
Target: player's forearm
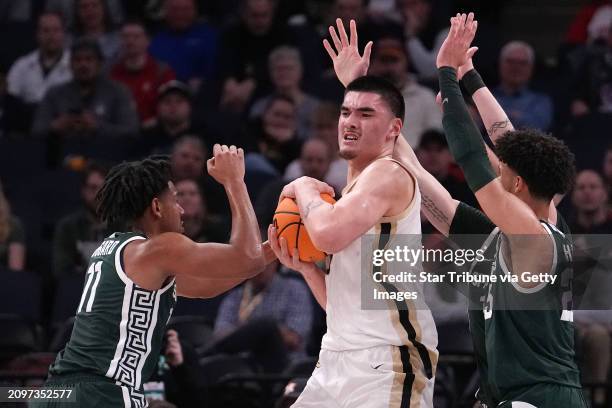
194 287
436 202
317 216
464 139
315 278
493 116
245 237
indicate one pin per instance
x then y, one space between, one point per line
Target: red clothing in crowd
143 84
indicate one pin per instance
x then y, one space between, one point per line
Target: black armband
472 81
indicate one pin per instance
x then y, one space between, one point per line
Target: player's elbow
326 240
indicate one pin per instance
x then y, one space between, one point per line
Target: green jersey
526 347
119 327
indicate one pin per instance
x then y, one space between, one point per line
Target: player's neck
359 164
540 208
149 229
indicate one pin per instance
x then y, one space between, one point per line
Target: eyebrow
363 109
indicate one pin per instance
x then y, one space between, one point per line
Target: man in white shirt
390 60
49 65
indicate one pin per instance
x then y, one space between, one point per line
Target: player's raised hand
455 50
348 64
227 164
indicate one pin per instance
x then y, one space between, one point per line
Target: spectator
90 105
593 91
139 71
12 237
286 71
199 225
93 22
187 46
177 379
581 29
270 316
273 141
188 158
590 201
67 9
525 108
314 161
173 118
390 61
32 75
423 37
244 53
79 234
607 171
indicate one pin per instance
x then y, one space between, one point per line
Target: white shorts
370 378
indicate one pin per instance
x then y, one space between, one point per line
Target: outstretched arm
465 141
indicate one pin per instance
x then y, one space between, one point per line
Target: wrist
472 81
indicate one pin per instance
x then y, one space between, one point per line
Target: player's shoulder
389 173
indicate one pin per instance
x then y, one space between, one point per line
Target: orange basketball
288 223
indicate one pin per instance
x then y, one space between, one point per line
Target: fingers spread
329 49
342 32
354 39
335 39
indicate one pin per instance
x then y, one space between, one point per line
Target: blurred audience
68 10
79 234
188 158
12 237
389 60
173 118
272 140
91 105
139 71
269 316
524 107
584 27
286 69
607 172
593 78
31 76
199 225
423 37
93 22
244 49
184 43
590 202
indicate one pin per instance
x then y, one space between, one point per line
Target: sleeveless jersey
119 327
528 347
351 327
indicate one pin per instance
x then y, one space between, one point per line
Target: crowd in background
85 84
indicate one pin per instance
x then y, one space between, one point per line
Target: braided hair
129 189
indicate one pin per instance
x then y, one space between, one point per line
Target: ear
396 128
519 184
156 207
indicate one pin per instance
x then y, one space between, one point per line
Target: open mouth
350 136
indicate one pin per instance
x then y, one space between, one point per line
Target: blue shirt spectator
269 295
188 47
524 107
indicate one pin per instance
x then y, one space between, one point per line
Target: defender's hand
348 64
227 164
455 50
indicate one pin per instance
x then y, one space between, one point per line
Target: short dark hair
543 161
380 86
129 189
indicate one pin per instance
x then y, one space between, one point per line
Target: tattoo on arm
311 206
498 127
433 210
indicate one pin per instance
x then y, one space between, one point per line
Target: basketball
288 223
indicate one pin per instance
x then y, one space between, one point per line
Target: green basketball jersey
534 344
119 327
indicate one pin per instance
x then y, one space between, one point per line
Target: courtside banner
449 275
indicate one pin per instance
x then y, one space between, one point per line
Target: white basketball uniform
374 358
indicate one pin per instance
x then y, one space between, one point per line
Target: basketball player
529 353
450 216
134 277
368 358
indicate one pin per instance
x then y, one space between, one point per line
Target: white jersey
352 327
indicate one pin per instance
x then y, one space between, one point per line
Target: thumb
472 51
